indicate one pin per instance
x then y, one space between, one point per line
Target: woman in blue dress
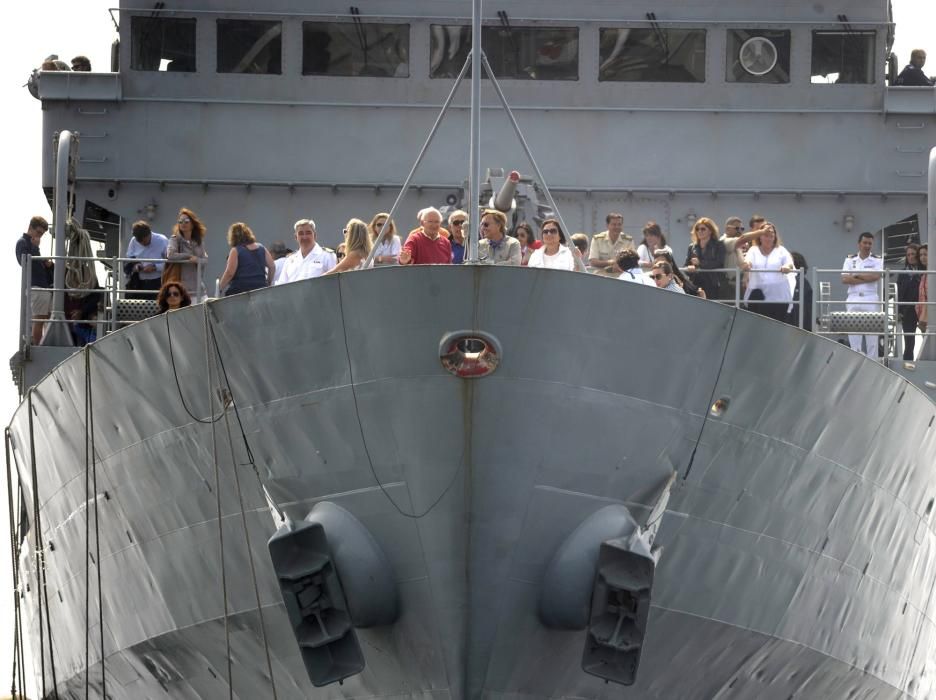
249 264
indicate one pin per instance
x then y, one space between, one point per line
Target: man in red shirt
428 244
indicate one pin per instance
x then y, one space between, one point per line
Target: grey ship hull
798 554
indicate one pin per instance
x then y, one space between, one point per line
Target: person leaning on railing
706 253
908 294
186 246
42 276
771 290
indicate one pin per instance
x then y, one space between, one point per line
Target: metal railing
113 292
881 312
825 319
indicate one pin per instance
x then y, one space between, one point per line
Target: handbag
172 272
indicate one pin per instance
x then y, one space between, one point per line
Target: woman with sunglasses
554 254
707 253
172 296
388 250
186 247
664 277
688 286
523 232
769 262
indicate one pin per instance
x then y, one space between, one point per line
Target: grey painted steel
931 218
798 542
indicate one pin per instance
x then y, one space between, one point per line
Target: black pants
908 320
776 311
153 285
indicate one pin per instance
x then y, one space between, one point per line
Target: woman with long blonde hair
357 244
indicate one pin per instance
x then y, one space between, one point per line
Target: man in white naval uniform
311 260
861 273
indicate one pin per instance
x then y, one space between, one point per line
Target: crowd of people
751 266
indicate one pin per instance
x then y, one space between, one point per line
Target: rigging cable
19 672
370 462
42 577
707 412
250 456
253 570
91 457
240 496
175 374
217 472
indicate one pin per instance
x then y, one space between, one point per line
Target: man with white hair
429 244
311 260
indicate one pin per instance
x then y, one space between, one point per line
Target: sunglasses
659 277
458 223
185 220
173 294
550 230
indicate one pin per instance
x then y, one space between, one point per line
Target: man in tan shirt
606 245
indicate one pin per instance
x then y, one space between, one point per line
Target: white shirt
391 246
316 263
775 286
562 260
637 276
854 263
646 256
278 263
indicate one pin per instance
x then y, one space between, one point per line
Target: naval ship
479 481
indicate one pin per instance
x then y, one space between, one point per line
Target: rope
91 461
175 374
217 472
253 570
370 462
250 456
40 555
79 274
18 669
705 415
87 485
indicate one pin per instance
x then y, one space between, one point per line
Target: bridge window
358 49
758 56
515 53
843 57
652 55
250 46
162 44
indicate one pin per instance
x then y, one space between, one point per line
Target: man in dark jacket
40 295
913 74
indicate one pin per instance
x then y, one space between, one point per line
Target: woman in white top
357 247
653 240
388 250
554 254
771 290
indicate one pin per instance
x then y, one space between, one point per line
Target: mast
474 155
